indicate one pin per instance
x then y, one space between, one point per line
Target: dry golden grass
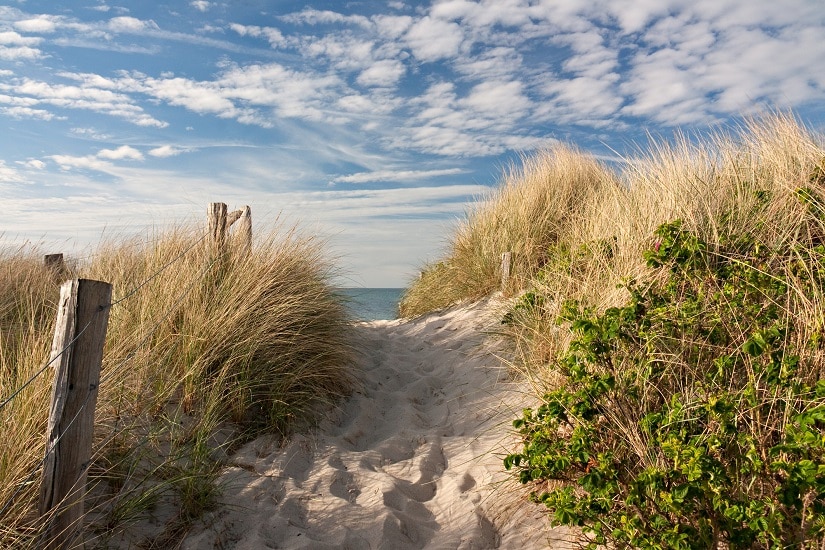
203 350
528 214
578 228
28 296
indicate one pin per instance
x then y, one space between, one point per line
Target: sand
412 460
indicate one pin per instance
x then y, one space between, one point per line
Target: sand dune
412 460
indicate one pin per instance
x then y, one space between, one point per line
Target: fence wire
162 318
8 400
134 243
152 277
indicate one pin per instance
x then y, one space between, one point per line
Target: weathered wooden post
245 230
506 260
217 224
77 353
55 262
243 235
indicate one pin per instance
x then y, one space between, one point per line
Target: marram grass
562 206
203 350
533 209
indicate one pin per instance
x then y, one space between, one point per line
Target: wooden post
245 230
232 217
244 233
220 221
54 261
506 259
217 224
82 318
56 266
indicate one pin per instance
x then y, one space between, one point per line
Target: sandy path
412 460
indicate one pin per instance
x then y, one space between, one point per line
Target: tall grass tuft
204 350
527 215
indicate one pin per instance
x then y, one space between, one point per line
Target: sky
373 124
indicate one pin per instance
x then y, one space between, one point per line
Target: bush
692 415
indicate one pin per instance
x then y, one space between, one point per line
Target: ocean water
372 304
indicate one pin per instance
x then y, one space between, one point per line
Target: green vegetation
204 351
692 414
672 325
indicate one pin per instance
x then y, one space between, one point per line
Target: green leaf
755 345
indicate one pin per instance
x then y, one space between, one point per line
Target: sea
372 304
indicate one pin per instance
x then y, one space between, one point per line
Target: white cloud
91 133
395 175
367 106
345 53
392 26
201 5
88 96
592 56
11 38
695 70
386 72
91 162
492 64
34 164
28 112
498 100
487 13
99 161
40 24
291 93
14 46
9 174
124 152
165 151
273 35
248 94
433 39
201 97
632 15
583 100
310 16
127 24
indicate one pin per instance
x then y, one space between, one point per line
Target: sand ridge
411 460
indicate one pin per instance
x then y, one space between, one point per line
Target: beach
413 459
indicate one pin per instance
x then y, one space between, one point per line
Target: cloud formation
672 63
396 175
406 95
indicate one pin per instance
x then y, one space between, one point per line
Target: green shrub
692 415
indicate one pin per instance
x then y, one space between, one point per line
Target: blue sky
372 123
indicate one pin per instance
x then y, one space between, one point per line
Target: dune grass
526 215
687 279
204 350
578 228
